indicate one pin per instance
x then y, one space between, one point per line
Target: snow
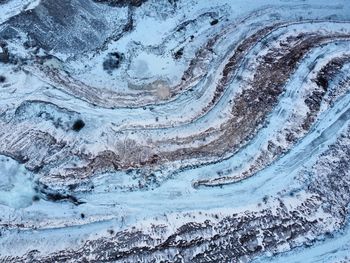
16 188
110 204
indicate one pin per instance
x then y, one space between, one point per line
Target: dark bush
78 125
113 61
35 198
214 22
121 3
178 54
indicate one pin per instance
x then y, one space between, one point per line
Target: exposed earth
174 131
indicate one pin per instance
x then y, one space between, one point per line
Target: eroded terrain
174 131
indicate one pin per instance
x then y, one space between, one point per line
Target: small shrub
113 61
178 54
214 22
35 198
78 125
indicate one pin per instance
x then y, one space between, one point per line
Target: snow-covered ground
63 187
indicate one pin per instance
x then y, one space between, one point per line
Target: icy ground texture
174 131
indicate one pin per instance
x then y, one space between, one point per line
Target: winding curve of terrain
174 131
